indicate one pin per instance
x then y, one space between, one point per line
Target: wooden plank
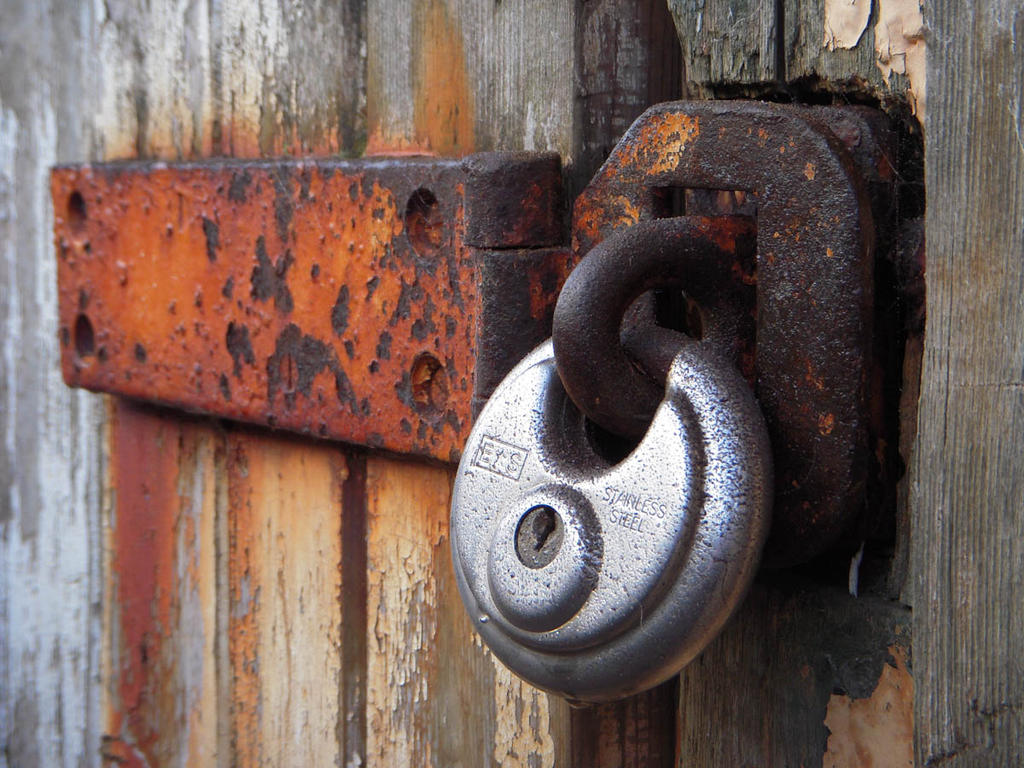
858 48
248 91
454 76
727 44
628 59
162 594
804 674
799 677
52 443
505 85
968 520
285 626
449 78
131 79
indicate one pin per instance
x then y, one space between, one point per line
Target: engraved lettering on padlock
500 457
624 571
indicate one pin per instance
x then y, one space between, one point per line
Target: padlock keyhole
539 536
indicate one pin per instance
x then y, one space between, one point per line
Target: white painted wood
94 80
51 455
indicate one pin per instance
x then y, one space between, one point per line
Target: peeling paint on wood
404 537
434 695
869 50
845 22
877 731
760 692
522 728
900 47
801 48
162 591
285 632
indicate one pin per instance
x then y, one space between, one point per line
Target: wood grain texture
239 78
164 697
727 42
850 49
638 732
454 76
98 81
968 474
284 574
52 451
760 694
628 58
845 50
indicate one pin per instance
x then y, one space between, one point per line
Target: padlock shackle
616 387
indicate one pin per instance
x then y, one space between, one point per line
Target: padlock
595 578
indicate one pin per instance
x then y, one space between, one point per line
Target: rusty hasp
819 183
344 299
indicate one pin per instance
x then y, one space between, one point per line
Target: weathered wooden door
181 591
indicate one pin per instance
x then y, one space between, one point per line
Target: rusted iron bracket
819 185
372 301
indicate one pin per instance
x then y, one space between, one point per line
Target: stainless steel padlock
596 580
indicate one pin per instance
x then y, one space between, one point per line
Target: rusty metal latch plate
820 184
373 301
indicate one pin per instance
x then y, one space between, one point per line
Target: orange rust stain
182 321
243 630
395 146
662 142
813 378
232 135
876 732
826 423
541 303
153 564
618 211
809 171
725 232
442 97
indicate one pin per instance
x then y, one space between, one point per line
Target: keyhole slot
539 536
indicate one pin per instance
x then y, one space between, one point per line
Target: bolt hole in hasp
76 212
429 385
85 338
424 223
